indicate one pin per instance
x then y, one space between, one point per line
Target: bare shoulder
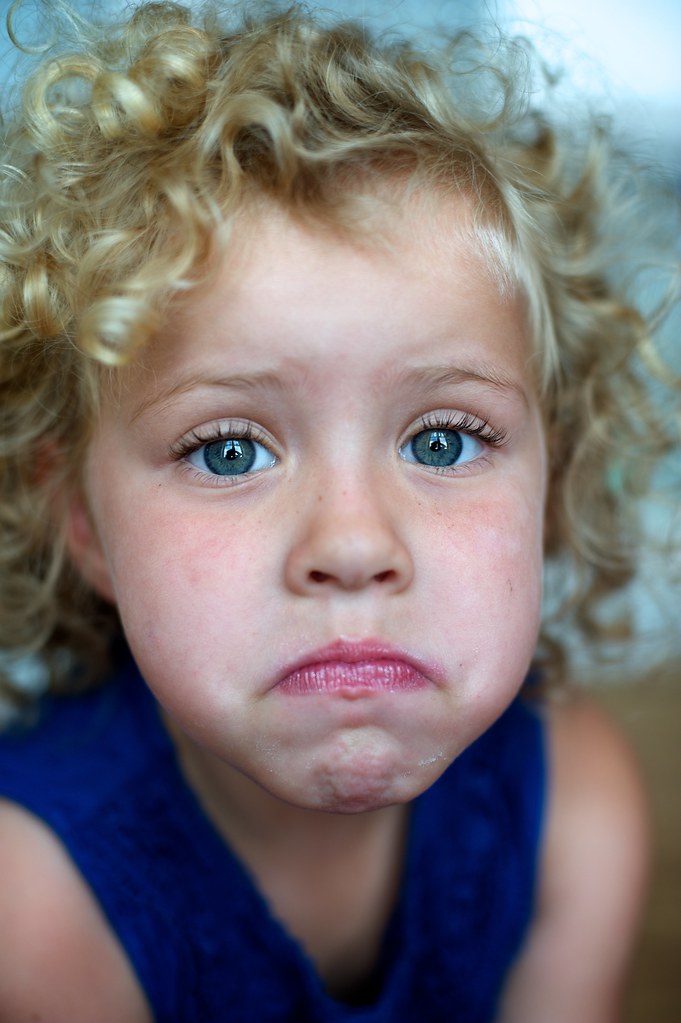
594 872
59 960
598 816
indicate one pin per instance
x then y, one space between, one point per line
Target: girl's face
317 503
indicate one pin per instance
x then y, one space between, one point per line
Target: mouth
356 669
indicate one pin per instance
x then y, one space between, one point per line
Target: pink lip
355 669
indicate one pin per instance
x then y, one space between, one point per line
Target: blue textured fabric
100 770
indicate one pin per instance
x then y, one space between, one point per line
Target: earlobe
85 549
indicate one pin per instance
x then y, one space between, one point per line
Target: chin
366 783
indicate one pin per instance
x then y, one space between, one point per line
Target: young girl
309 360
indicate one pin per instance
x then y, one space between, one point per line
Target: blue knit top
100 770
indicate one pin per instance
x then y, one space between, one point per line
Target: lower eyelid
205 479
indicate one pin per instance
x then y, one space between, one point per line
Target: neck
332 879
250 818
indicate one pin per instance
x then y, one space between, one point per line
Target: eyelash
196 439
463 423
459 422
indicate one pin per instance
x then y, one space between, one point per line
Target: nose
348 541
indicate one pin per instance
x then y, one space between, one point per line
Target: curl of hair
131 153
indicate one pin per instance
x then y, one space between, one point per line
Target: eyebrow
422 377
485 374
256 381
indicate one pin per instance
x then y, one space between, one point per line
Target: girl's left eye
441 448
231 456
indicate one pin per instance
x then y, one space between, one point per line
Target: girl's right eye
231 456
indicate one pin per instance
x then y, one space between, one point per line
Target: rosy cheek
487 568
502 532
194 571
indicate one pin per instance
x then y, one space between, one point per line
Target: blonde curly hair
131 153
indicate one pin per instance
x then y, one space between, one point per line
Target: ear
85 548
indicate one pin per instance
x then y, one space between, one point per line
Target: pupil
230 457
233 450
437 447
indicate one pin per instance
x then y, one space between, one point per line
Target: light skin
375 409
336 356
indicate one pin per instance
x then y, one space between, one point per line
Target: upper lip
353 652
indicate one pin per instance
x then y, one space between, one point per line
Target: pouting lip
353 652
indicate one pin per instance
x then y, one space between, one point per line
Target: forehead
412 276
421 235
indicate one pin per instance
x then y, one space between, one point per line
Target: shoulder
593 874
598 831
54 930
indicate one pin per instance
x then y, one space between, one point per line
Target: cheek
486 538
509 546
176 574
486 566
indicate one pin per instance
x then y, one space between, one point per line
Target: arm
59 960
593 879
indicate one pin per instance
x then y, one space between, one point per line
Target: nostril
380 577
318 577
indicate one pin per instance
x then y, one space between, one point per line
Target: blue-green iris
437 447
230 457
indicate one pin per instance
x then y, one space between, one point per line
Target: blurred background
627 57
624 59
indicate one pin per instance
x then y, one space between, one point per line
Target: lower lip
355 677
